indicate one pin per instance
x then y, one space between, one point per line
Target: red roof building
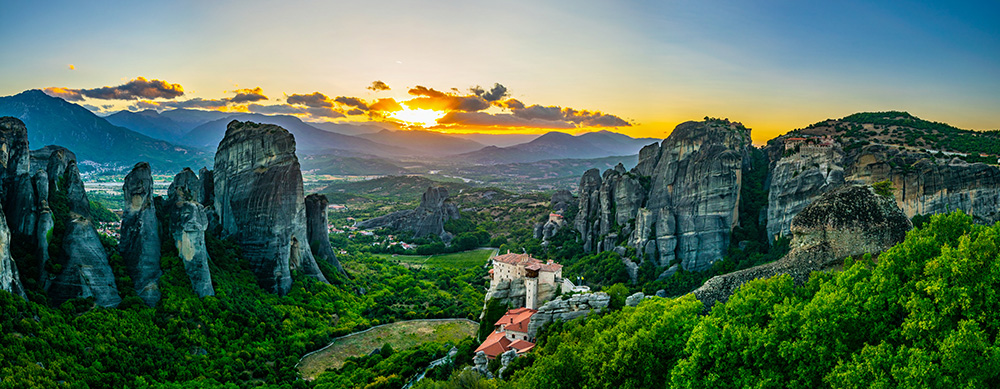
510 333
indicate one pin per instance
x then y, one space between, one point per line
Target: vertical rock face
188 223
796 181
140 234
18 193
427 219
848 221
82 266
923 185
679 203
10 280
259 201
318 230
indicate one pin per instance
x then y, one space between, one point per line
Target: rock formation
188 223
10 279
679 203
318 230
259 201
139 242
849 221
81 269
568 308
426 219
18 192
923 184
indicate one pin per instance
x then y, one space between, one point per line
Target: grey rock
796 181
260 202
10 279
561 200
505 359
683 195
634 299
188 222
480 364
848 221
85 271
317 226
17 193
669 272
427 219
567 308
139 242
661 293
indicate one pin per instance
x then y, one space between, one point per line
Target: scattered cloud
91 108
378 86
429 98
277 109
582 118
356 111
71 67
312 100
494 94
352 102
137 89
325 112
385 105
247 95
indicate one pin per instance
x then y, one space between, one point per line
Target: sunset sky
634 67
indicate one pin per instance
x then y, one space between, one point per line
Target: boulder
634 299
260 202
318 230
848 221
188 222
139 241
567 308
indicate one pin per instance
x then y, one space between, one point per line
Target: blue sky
774 65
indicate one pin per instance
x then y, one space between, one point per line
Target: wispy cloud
378 86
137 89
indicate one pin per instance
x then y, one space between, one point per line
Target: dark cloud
511 104
582 118
325 112
356 111
312 100
378 86
385 105
494 94
425 91
137 89
482 119
91 108
247 96
352 102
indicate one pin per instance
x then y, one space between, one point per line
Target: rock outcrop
567 308
81 269
188 223
260 202
849 221
139 241
679 203
318 230
10 279
16 186
427 219
923 185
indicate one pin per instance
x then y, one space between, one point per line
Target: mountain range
184 137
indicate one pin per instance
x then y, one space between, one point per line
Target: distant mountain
340 165
558 145
308 139
426 142
349 128
149 123
499 140
52 120
191 118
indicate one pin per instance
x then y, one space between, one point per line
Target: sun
418 117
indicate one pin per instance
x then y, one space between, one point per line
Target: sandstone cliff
849 221
317 227
188 223
16 186
10 279
796 181
139 241
259 201
427 219
679 203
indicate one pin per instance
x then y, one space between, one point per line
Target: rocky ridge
317 228
188 222
427 219
139 241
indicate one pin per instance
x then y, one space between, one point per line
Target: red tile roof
516 319
528 262
522 346
494 345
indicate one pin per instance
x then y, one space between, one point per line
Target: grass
401 335
460 260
